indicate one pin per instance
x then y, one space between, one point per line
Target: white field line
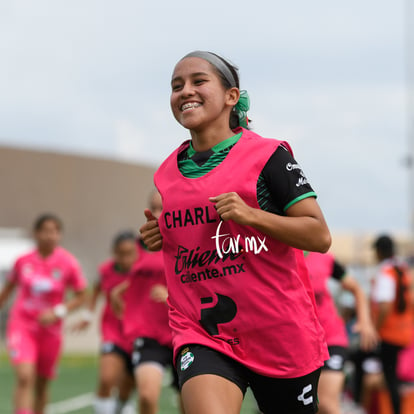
71 404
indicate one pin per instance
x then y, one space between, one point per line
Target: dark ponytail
401 303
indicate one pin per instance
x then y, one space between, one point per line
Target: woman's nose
187 89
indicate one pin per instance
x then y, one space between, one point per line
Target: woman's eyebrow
193 75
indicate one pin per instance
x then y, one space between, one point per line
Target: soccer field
72 391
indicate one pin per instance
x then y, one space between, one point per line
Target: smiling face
198 98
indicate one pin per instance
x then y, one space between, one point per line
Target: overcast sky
92 77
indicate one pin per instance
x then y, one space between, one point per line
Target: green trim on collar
218 147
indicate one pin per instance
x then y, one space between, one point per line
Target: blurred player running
323 267
34 334
115 370
142 301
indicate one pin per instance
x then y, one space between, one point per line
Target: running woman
115 369
392 312
142 301
321 268
237 211
34 330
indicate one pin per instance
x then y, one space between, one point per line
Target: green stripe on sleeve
297 199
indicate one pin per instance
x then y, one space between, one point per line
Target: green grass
77 376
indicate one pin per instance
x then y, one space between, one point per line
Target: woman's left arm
364 325
303 227
78 298
59 311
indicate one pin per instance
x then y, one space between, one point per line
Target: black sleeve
285 182
338 271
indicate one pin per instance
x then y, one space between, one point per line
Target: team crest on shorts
57 274
187 359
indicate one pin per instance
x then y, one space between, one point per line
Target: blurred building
94 197
352 248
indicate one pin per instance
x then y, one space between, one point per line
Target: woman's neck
122 269
207 139
45 252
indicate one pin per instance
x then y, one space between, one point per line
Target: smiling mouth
189 106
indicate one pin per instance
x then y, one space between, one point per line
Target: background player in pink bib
236 210
115 369
142 302
34 336
323 267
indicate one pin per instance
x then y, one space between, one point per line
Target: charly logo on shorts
302 397
187 358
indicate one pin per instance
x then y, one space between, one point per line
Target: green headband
241 108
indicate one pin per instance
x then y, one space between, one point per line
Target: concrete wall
94 197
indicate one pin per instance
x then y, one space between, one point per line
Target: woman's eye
176 87
199 81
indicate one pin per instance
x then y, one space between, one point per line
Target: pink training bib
320 270
232 288
143 316
111 325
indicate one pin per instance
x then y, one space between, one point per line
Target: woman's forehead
190 66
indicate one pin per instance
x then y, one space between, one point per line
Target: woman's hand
79 326
159 293
150 232
230 206
47 317
83 323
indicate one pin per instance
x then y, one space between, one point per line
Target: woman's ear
233 95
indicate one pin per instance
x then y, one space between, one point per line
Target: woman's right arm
364 325
94 297
6 292
88 310
150 232
116 298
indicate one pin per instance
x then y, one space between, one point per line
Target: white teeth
190 105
